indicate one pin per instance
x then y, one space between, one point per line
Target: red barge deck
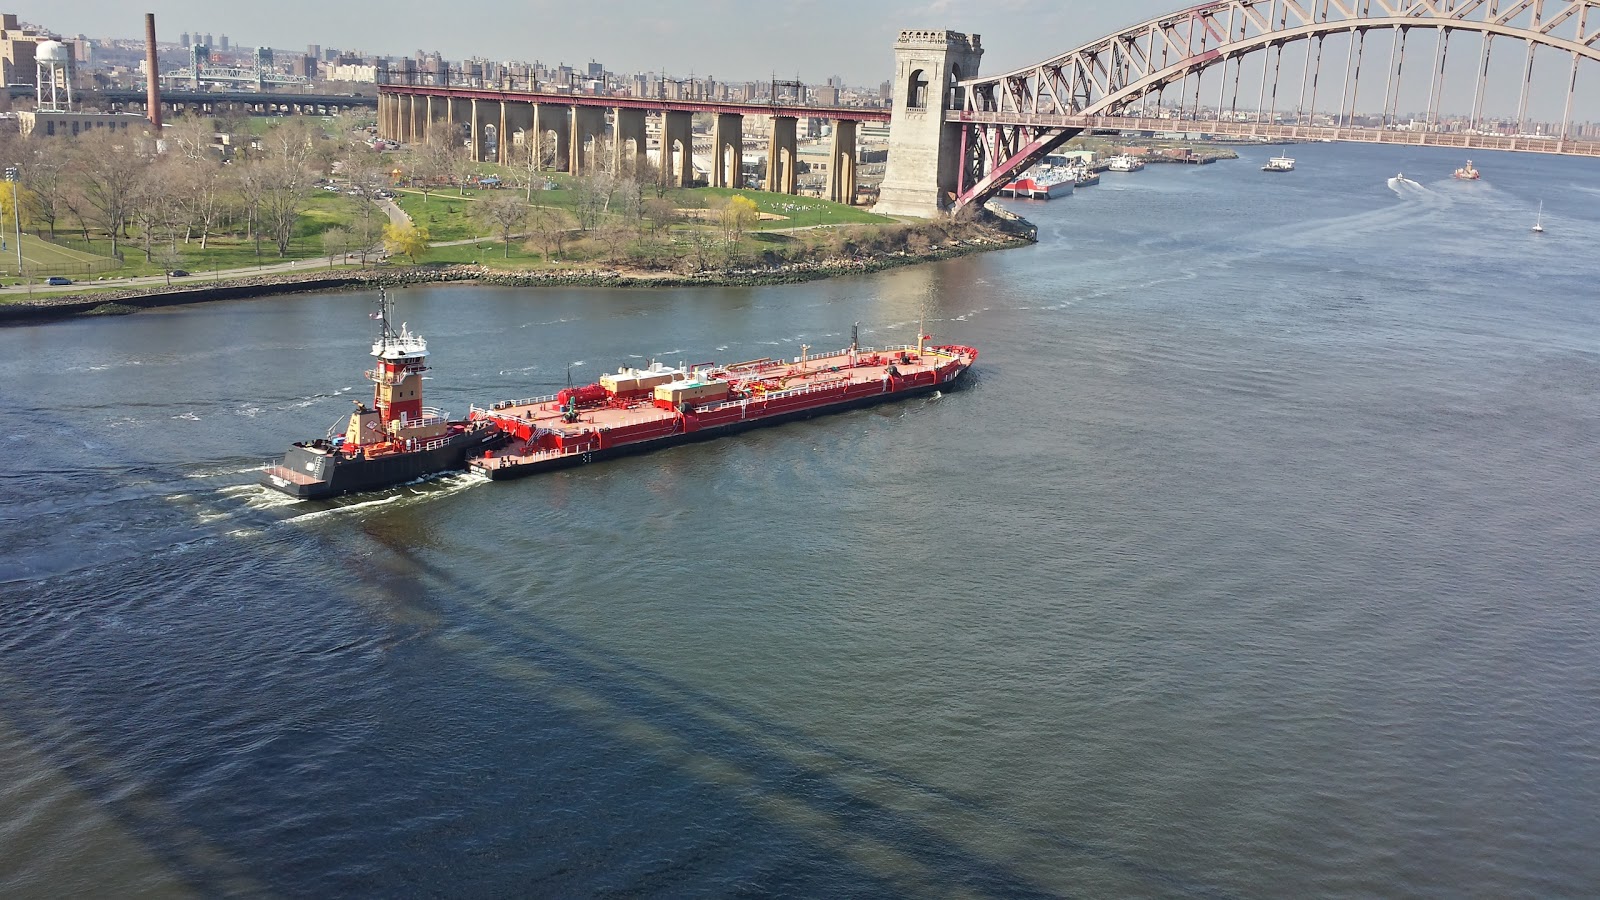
645 409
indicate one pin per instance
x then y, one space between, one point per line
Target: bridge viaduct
216 102
570 127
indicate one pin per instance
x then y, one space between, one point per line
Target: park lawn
489 253
41 257
797 211
446 213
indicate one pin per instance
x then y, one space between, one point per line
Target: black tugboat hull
307 474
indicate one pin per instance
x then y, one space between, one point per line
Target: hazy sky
736 40
733 41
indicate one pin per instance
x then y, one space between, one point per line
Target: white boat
1279 164
1042 182
1538 220
1125 163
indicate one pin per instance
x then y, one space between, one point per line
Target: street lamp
13 176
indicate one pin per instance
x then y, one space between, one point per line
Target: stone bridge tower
924 142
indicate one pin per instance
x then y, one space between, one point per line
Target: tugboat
1279 164
1467 172
393 441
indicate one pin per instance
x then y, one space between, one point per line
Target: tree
367 177
286 186
251 178
659 212
154 203
503 213
534 157
429 161
745 214
336 242
614 235
192 138
548 226
461 168
406 239
107 167
13 195
593 194
47 188
201 191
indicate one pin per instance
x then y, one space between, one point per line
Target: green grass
42 257
323 210
446 214
797 212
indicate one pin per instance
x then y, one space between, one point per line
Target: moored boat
1125 163
1042 182
637 410
395 440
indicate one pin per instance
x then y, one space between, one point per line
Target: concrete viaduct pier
569 130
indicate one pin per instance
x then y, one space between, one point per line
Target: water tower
54 76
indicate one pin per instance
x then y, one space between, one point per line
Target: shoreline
129 301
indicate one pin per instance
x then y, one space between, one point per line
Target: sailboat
1538 220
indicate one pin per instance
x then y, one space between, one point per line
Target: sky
736 40
731 40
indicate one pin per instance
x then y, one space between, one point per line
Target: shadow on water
769 755
606 758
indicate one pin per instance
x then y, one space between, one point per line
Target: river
1255 561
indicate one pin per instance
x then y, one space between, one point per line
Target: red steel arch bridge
1223 63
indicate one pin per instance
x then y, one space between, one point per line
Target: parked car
57 279
178 273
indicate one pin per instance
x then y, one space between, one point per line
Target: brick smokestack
152 100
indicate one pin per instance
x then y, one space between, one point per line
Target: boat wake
1403 186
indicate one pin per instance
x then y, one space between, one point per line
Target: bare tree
106 168
462 169
503 213
286 186
48 189
659 212
548 226
535 157
614 235
251 180
192 138
428 161
336 242
367 177
154 202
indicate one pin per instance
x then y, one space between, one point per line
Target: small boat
1467 172
1279 164
1538 220
1125 163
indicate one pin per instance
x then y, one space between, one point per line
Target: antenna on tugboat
383 314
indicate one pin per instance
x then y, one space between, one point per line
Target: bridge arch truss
1014 119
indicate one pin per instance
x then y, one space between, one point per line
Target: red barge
397 439
637 410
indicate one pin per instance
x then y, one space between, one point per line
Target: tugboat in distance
1467 172
393 441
